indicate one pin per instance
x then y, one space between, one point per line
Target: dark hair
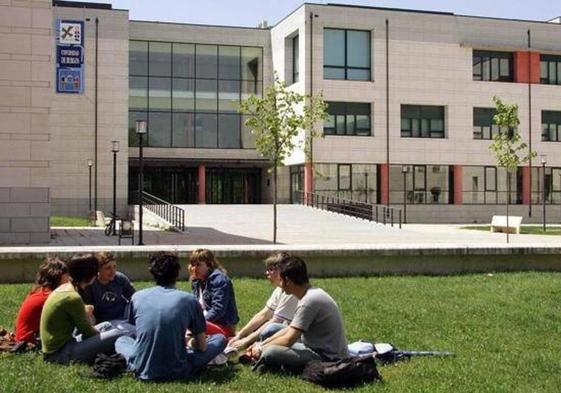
82 267
104 257
273 261
206 256
293 268
165 267
49 274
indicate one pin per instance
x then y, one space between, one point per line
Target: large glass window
295 59
483 124
551 126
192 93
488 185
422 121
550 69
492 66
347 181
347 118
346 54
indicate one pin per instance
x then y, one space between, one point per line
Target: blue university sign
69 56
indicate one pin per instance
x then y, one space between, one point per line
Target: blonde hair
206 256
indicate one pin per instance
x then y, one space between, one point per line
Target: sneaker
219 360
233 354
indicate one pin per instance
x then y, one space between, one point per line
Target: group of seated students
82 307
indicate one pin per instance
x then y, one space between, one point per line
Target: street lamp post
404 170
141 131
115 150
543 189
90 164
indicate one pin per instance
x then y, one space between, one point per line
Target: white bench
100 219
498 224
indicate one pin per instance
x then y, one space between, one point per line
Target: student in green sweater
65 311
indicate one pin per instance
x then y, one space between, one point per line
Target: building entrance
233 186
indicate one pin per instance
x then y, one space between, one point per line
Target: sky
252 12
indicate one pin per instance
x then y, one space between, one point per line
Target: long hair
206 256
49 274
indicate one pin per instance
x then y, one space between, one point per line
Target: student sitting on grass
215 292
162 315
52 273
111 292
65 311
317 322
276 315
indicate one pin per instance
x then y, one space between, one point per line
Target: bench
498 224
100 219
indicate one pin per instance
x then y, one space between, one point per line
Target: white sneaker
219 360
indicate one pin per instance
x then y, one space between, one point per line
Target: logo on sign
70 33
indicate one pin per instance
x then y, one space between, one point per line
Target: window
422 121
550 70
347 118
483 124
492 66
346 54
189 93
347 181
295 59
551 126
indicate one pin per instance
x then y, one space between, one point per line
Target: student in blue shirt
162 315
111 292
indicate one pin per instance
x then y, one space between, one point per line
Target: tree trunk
507 203
275 206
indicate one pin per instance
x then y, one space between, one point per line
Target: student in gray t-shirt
317 322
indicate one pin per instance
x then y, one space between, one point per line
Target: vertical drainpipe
96 113
388 111
311 147
530 117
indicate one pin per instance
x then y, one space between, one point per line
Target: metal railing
367 211
165 210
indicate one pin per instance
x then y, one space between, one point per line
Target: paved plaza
297 225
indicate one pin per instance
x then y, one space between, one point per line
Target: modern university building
410 110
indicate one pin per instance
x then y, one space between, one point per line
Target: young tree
508 147
276 120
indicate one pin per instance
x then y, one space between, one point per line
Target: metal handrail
165 210
363 210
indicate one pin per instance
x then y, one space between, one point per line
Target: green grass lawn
504 328
524 229
62 221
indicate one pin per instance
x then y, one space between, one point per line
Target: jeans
270 330
86 350
289 360
198 360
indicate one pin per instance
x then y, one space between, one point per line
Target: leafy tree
276 120
508 147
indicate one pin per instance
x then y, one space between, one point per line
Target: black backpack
347 372
108 366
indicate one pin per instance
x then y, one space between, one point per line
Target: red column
458 185
384 191
526 186
308 177
202 184
523 60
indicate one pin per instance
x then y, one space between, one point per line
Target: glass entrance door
233 186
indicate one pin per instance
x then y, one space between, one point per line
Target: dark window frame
548 60
295 58
477 125
346 67
482 58
432 133
258 83
356 131
555 121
